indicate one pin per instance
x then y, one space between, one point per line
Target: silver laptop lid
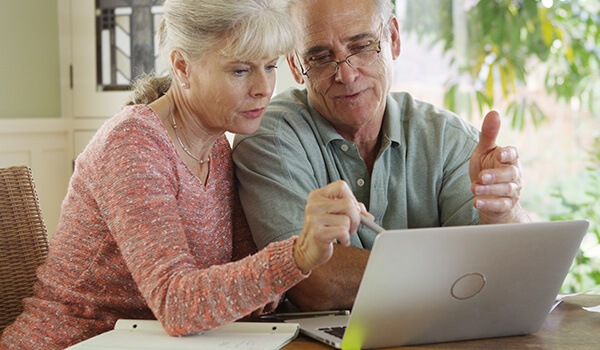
455 283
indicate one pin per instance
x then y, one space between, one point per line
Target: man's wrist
516 215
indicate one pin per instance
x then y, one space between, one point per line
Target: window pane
126 44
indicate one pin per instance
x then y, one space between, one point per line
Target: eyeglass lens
357 60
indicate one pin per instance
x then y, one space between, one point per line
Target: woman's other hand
263 310
332 214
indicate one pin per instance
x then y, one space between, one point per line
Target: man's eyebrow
316 49
362 36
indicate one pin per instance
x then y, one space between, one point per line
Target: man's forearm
333 285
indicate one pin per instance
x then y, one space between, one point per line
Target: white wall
29 59
44 146
32 130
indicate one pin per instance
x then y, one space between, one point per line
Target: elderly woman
151 226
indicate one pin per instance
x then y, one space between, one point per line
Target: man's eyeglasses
356 60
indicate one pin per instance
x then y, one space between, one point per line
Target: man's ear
180 67
295 69
396 44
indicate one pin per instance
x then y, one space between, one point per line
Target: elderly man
411 164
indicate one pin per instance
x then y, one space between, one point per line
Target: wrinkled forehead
332 23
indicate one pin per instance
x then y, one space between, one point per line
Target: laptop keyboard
335 331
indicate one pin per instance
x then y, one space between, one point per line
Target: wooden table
567 327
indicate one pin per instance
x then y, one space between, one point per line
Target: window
126 45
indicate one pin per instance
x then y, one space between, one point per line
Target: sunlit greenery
579 198
507 40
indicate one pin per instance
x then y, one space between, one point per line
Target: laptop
444 284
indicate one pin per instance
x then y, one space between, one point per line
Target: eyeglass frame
337 63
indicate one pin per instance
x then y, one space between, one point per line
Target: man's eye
319 59
362 46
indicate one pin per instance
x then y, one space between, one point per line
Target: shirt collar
391 128
324 127
392 122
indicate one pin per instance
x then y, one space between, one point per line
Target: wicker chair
23 240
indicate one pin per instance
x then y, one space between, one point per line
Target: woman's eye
270 68
240 72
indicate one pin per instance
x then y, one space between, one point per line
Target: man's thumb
489 131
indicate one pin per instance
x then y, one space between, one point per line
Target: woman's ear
180 67
295 69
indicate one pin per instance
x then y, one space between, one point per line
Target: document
561 297
593 309
148 334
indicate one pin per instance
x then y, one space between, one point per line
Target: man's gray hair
385 10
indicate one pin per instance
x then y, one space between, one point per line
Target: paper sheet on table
147 334
593 309
561 297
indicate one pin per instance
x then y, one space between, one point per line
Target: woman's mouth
254 113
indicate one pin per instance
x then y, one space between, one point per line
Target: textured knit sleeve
136 188
243 243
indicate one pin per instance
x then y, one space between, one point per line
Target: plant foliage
583 204
507 40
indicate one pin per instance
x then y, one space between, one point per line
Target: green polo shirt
420 177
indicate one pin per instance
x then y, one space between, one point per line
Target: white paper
561 297
593 309
150 335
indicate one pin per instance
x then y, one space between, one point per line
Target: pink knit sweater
141 237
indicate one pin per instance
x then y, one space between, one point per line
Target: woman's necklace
200 161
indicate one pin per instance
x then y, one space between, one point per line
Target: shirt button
360 182
344 147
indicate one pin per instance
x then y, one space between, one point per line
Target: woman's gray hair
244 30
